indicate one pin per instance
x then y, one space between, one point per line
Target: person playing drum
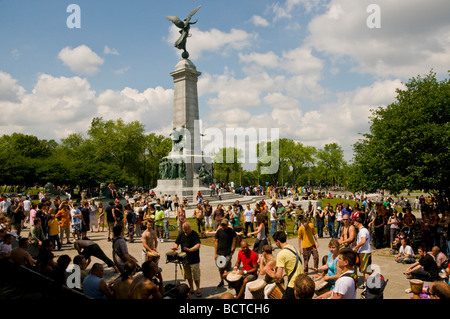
249 271
150 244
189 240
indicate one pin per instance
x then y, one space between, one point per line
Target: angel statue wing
184 32
177 21
191 14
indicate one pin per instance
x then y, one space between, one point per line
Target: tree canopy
408 146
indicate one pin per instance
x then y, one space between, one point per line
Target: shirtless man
199 215
348 233
122 285
113 189
149 243
21 256
143 286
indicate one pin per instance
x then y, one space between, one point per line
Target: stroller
375 287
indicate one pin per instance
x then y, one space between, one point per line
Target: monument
185 171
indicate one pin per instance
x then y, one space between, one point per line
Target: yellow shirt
287 259
307 235
53 227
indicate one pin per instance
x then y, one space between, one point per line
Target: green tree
156 147
226 161
331 162
408 146
296 157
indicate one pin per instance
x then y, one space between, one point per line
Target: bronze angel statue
184 25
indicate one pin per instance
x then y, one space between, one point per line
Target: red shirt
249 260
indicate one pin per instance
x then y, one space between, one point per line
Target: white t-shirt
364 249
406 251
248 214
26 205
345 286
74 212
273 211
167 214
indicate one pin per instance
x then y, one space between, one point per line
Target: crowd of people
353 232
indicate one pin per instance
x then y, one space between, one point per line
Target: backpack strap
296 263
352 275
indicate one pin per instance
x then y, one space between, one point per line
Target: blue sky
311 68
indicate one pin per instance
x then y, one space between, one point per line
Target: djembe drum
235 280
182 258
171 256
416 287
276 292
256 288
322 286
153 256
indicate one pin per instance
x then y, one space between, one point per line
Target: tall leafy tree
331 162
408 146
226 161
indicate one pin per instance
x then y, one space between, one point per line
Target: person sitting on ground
82 263
425 269
439 290
405 253
144 286
439 256
95 286
182 292
329 268
249 269
58 273
20 255
346 286
304 287
6 245
122 285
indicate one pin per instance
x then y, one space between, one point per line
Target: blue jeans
320 225
338 229
55 241
166 228
331 231
273 227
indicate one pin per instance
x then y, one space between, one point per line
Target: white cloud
122 70
259 21
280 101
58 106
414 36
10 91
108 50
340 121
81 60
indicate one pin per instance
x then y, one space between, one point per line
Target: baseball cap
224 221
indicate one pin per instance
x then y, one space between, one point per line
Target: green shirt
159 218
281 211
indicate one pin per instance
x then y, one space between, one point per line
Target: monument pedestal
186 170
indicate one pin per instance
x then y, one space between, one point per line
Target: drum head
221 261
256 284
233 276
